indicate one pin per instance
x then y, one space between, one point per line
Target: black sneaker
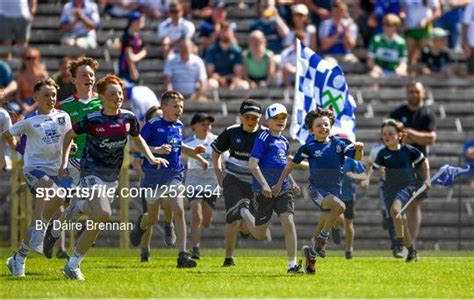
145 255
185 261
137 233
336 235
348 254
195 254
320 246
61 254
296 270
48 242
233 214
244 235
228 262
310 260
412 256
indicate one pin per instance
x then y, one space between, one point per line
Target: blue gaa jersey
105 142
158 132
326 160
348 190
399 167
272 153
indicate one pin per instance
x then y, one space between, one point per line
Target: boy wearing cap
435 57
267 160
238 139
205 189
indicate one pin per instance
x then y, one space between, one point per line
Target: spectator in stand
186 72
201 9
388 51
451 19
435 57
31 70
419 16
153 8
259 62
121 8
272 26
320 10
338 35
8 85
468 37
63 79
209 30
288 61
300 23
361 11
132 49
284 9
174 29
15 21
79 20
224 62
381 9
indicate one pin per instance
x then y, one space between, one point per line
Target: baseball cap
274 110
300 9
218 4
251 107
201 116
438 33
133 16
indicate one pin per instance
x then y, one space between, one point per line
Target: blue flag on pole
447 174
319 83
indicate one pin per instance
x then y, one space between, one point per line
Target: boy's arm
70 135
359 151
143 148
257 173
6 135
294 186
359 177
426 172
216 161
286 172
194 153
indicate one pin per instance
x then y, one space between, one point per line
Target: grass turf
259 273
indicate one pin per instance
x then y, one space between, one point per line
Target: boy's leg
289 229
207 213
230 238
170 235
258 225
196 222
349 214
145 221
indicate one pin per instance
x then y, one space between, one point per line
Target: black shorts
234 190
350 212
211 201
284 203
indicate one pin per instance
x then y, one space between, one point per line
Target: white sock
75 260
291 262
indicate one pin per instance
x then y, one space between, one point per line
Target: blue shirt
158 132
269 29
326 160
272 153
399 168
348 190
224 60
383 8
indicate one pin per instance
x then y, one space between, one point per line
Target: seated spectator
79 20
224 62
15 21
418 16
174 29
63 79
272 26
258 61
338 35
31 70
132 49
435 57
209 30
320 10
8 85
381 9
288 61
468 36
388 51
450 20
300 23
201 9
186 72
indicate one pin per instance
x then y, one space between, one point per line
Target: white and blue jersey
195 175
272 153
348 188
156 133
326 161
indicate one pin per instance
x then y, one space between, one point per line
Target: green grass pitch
259 273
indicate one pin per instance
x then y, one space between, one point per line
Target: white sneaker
16 268
36 240
70 273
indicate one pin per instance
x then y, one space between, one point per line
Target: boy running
400 162
45 133
167 132
326 155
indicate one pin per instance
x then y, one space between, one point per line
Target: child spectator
435 57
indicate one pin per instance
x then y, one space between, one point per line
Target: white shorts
171 190
97 188
74 170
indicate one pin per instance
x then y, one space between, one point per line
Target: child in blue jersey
267 160
326 155
168 131
400 162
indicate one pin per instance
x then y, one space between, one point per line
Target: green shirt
77 110
388 54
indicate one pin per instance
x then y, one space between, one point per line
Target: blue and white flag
447 173
320 83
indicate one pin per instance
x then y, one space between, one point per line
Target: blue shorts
318 194
403 195
32 178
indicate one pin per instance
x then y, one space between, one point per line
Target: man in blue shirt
274 28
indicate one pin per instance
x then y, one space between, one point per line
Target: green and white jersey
77 110
388 53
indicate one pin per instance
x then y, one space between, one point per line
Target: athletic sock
291 262
323 236
75 260
22 252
